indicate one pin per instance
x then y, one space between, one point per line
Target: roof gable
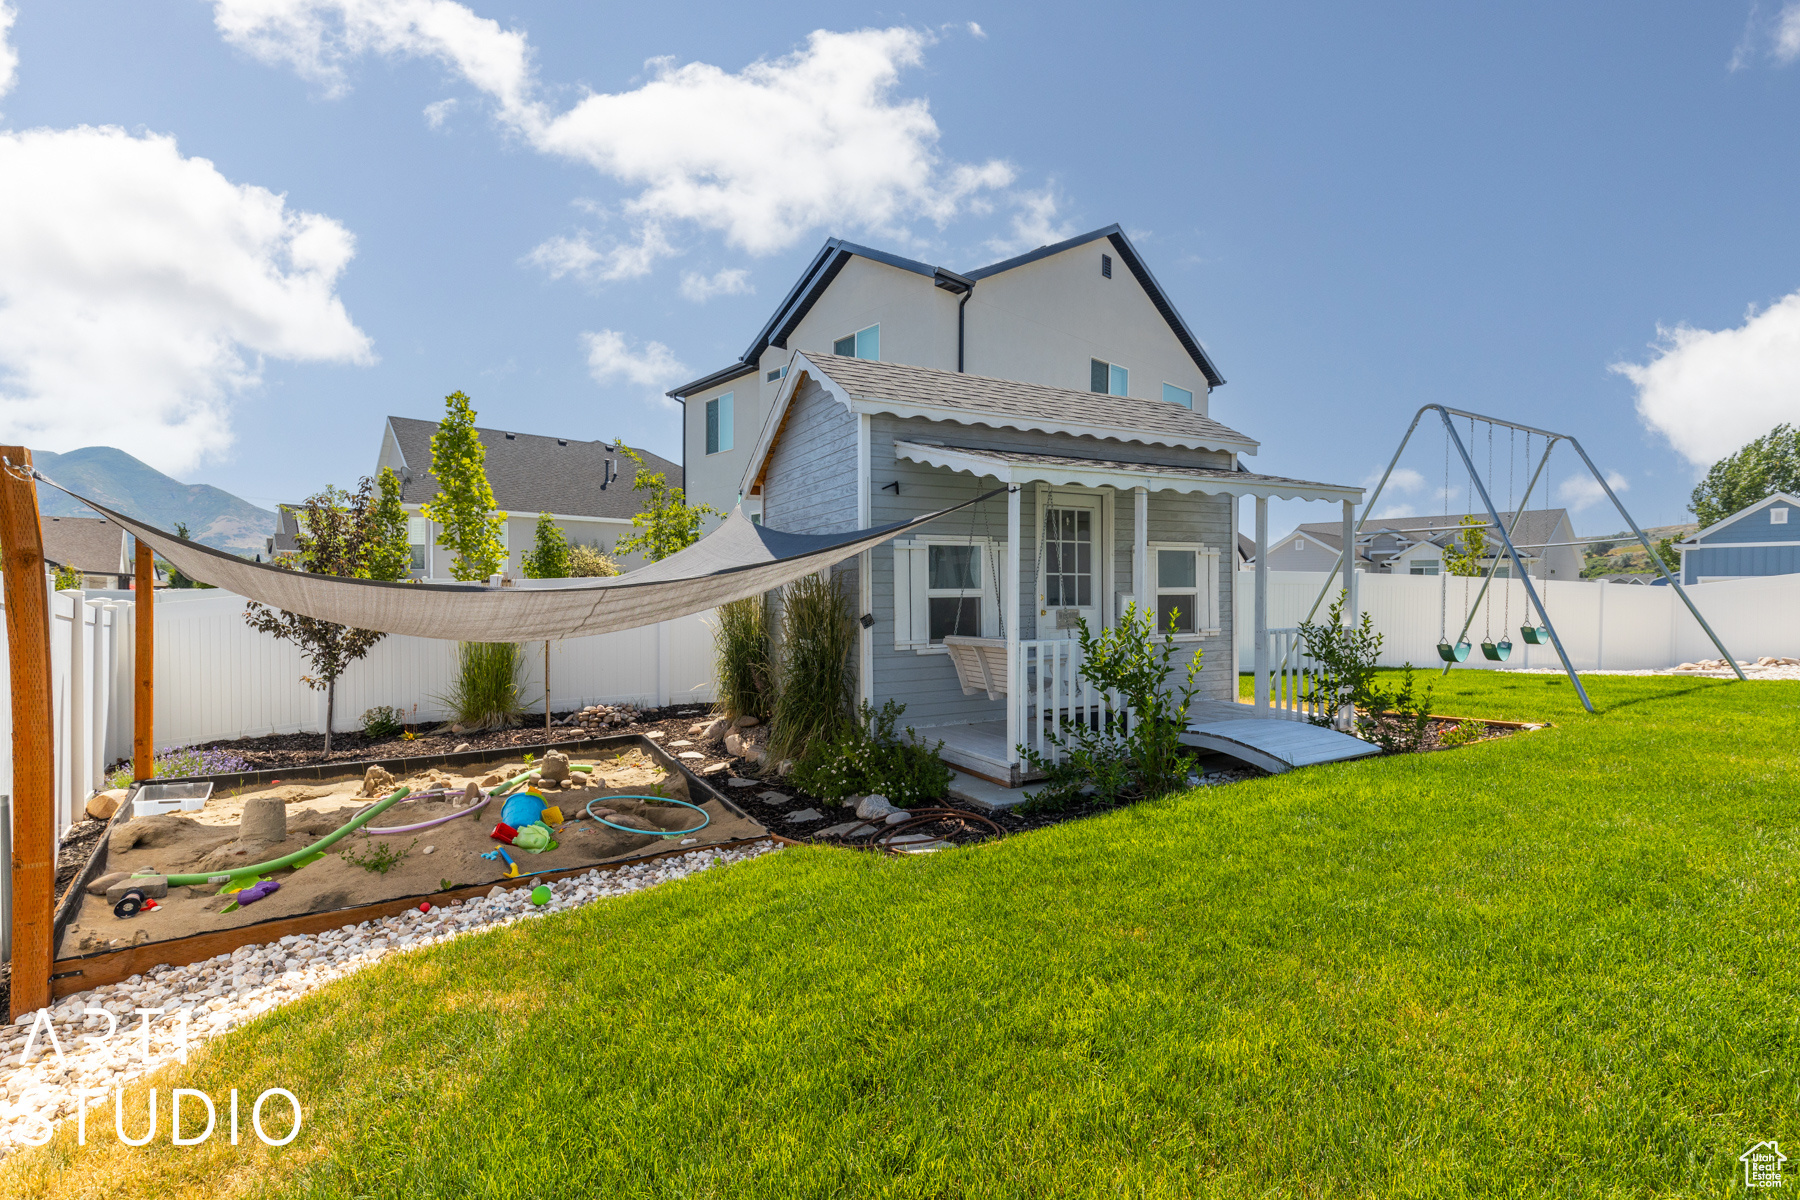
831 258
1694 539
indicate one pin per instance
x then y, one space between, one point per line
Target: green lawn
1559 963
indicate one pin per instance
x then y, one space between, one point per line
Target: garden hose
288 860
705 817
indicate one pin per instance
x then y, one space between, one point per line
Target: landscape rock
697 730
376 782
716 730
740 783
146 831
872 806
862 829
804 815
578 778
756 754
494 780
690 755
103 805
264 820
747 722
98 887
713 768
462 747
734 745
897 816
785 767
774 798
153 886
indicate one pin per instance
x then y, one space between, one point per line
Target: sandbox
435 865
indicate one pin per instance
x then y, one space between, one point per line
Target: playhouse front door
1071 584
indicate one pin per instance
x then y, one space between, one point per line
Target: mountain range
214 517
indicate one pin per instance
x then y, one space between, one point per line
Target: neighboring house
280 544
585 487
1763 539
100 550
1415 546
1083 315
1246 552
1110 499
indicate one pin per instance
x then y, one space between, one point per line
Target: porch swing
980 662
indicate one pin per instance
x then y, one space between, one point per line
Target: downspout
959 327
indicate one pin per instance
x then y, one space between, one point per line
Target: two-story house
1084 314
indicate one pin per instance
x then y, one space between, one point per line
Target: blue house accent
1763 539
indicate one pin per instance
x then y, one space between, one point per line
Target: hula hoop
705 817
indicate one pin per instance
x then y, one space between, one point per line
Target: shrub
1346 655
867 757
1145 759
1398 720
590 562
487 691
180 762
1463 734
813 695
741 657
67 578
382 721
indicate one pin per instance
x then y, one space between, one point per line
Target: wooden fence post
33 863
143 695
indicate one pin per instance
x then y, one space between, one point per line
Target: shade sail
740 558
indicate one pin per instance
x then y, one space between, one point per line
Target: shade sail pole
143 693
34 797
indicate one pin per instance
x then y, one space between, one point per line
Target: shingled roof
531 473
90 544
980 400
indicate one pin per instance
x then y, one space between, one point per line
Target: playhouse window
1186 579
943 588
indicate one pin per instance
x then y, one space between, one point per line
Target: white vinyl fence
1603 626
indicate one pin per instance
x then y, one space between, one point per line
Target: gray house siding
809 484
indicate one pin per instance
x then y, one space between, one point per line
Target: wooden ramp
1275 745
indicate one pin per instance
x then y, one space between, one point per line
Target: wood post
143 695
33 863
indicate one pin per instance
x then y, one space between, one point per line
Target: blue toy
523 808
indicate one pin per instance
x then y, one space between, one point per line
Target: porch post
1349 562
1140 549
1260 650
1015 703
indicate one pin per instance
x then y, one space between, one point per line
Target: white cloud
731 281
976 31
1034 223
580 257
1787 34
318 37
763 156
610 356
438 111
9 57
140 290
1708 392
1583 491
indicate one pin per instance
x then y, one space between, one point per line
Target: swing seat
1496 651
1535 635
1454 654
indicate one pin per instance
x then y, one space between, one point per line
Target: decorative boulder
376 782
98 887
871 807
716 730
102 805
746 722
578 778
734 745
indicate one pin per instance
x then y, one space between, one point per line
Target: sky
237 234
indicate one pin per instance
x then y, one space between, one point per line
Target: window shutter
911 612
1208 618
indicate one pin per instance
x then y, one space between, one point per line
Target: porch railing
1053 694
1296 681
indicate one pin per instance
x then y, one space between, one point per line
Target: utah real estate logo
1762 1165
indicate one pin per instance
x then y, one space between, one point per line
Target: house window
1300 544
418 536
1778 516
1423 566
864 343
777 373
1108 379
945 587
1106 266
1186 585
1175 395
719 423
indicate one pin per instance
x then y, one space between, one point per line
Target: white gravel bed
230 989
1751 671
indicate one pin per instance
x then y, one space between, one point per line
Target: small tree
1671 557
464 506
549 557
68 578
336 531
589 562
1758 470
1464 553
389 552
176 578
1346 655
667 522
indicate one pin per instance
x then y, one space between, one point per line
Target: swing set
1471 538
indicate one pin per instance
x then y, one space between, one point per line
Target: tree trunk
330 711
